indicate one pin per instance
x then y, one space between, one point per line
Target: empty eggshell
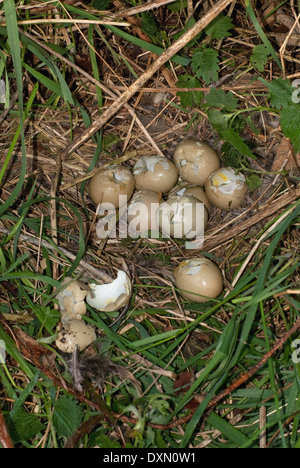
154 172
71 300
226 188
182 217
75 334
112 296
198 279
141 213
112 186
195 161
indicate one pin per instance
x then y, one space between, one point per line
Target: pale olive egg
182 217
198 279
196 192
75 334
195 161
112 187
154 172
226 188
112 296
141 213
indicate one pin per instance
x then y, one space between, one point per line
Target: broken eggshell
198 279
155 172
71 300
111 187
75 334
226 188
195 161
112 296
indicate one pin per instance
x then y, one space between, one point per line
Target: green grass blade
226 429
13 40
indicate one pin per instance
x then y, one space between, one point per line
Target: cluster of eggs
153 181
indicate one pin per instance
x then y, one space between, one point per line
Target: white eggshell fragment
74 334
198 279
226 188
112 187
141 213
71 300
182 217
195 161
112 296
154 172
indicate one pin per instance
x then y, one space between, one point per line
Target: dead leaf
284 157
183 381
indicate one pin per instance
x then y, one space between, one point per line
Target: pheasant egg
182 217
154 172
196 192
141 213
226 188
195 161
198 279
112 187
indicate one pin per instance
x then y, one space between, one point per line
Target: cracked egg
196 192
198 279
195 161
112 186
141 213
155 172
226 188
182 217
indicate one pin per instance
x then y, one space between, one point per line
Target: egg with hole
198 279
182 217
226 188
155 172
112 296
112 187
195 161
141 213
75 334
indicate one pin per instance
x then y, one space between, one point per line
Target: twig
262 427
141 8
46 7
53 211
